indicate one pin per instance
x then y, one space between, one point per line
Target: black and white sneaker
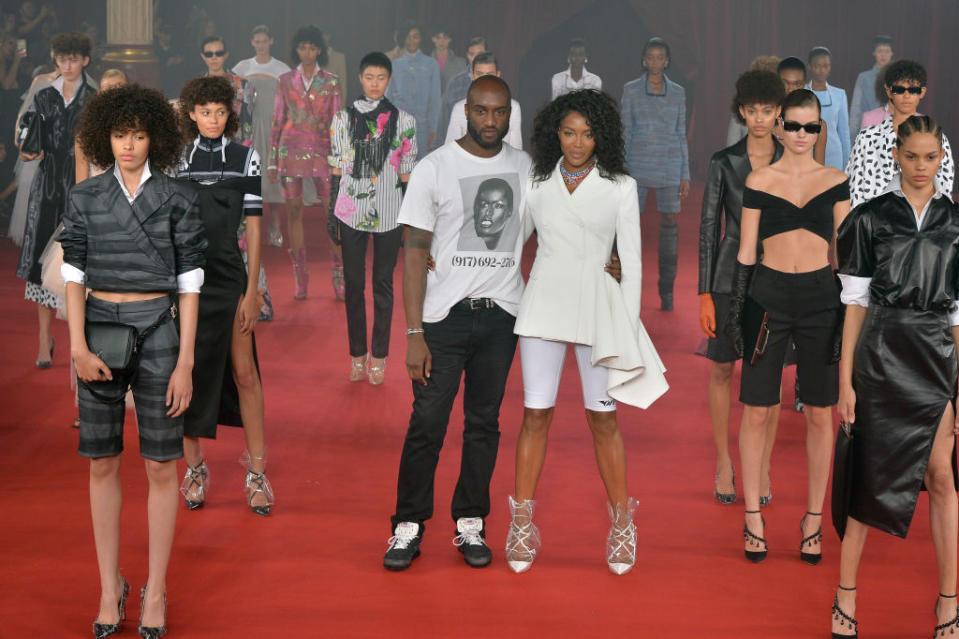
471 543
404 546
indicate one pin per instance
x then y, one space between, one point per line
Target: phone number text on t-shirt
484 261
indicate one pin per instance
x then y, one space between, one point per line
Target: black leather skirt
904 375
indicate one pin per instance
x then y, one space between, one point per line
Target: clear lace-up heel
621 541
259 492
523 540
195 483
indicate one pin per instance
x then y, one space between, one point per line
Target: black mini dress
905 368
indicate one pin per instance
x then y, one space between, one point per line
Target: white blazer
571 298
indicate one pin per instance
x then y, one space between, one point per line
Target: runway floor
313 568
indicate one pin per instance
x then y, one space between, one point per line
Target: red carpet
313 569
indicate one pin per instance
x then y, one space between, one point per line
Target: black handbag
119 346
114 343
30 133
842 478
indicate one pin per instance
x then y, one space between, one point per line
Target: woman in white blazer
581 202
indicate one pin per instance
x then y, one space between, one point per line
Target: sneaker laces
470 537
401 540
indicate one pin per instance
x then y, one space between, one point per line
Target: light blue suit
835 113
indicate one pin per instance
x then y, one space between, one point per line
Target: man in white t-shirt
262 63
463 206
485 64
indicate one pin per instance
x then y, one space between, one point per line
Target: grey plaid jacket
133 248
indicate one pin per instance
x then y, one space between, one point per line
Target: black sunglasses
898 89
210 54
793 127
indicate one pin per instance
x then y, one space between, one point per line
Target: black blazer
135 248
725 182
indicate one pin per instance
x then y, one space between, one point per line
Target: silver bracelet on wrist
414 331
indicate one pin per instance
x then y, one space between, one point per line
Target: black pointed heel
151 632
812 559
755 556
101 630
838 614
951 626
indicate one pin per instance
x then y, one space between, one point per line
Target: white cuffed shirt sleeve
855 290
189 282
71 273
954 315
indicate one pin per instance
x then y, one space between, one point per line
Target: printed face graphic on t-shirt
491 221
492 209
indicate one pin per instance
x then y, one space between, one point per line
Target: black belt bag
119 345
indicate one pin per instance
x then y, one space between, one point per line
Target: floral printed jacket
300 139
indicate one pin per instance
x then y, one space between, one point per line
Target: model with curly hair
133 236
227 384
52 115
581 202
307 98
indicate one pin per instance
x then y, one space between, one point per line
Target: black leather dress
722 212
905 368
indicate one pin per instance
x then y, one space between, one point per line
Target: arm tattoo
419 239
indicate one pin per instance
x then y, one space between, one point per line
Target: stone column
130 41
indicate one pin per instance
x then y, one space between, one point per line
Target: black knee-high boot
668 247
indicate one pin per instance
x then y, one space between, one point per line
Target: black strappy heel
839 615
951 626
755 556
812 559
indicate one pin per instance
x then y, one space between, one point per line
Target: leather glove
707 314
332 223
742 275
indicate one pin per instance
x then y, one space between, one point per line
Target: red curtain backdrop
712 41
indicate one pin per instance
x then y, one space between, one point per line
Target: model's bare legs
105 502
944 512
161 518
44 339
820 437
531 451
610 454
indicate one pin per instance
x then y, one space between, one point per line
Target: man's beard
473 133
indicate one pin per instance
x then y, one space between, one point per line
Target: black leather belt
476 303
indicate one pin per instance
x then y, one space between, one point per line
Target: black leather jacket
725 182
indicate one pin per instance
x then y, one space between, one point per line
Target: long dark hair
602 114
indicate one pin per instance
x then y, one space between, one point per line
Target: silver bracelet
414 331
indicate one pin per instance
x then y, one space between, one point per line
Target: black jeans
386 247
481 344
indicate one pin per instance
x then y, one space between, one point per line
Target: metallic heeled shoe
838 614
376 374
257 484
725 498
195 483
358 368
812 559
523 540
275 237
621 541
101 630
43 365
151 632
765 499
755 556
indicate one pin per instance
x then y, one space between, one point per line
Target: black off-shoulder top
781 216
